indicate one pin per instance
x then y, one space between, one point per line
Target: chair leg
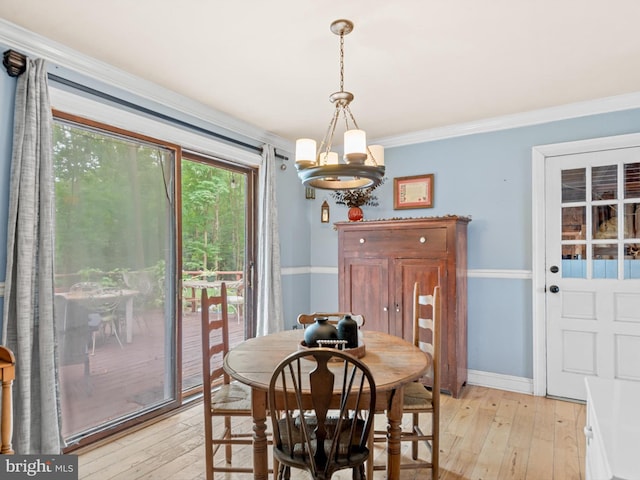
370 459
227 447
414 444
114 327
435 463
285 472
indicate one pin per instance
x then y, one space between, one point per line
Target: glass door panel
215 249
115 265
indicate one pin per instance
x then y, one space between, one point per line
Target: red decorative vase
355 214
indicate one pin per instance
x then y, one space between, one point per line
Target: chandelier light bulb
375 155
305 152
355 146
330 158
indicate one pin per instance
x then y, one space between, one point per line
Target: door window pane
604 182
632 220
573 261
115 257
605 222
605 260
632 180
574 185
574 223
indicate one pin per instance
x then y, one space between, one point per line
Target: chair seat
416 396
232 397
331 424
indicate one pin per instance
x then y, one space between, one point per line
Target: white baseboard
499 381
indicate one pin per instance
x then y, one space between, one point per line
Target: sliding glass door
137 221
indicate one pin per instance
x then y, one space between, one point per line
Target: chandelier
363 166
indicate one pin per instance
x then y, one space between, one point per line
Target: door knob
554 289
385 309
554 269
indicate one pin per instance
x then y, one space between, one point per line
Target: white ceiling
412 65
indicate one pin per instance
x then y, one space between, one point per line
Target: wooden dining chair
222 399
315 428
417 398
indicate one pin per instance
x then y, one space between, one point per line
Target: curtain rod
15 63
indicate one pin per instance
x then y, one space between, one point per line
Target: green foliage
213 220
114 211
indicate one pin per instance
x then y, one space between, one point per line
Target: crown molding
523 119
32 44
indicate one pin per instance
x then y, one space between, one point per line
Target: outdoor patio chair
104 305
142 282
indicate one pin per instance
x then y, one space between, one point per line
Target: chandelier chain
342 62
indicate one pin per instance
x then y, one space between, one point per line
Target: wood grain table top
392 360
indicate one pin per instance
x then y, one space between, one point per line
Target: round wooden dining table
393 362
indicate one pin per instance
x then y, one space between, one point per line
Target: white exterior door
592 268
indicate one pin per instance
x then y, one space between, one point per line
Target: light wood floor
486 434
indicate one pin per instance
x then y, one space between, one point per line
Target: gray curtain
269 304
28 327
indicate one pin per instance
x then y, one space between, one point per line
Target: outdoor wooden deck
128 380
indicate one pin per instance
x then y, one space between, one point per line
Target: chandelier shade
362 166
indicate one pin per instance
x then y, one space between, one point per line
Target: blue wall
488 177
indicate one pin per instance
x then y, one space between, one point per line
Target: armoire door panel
365 291
428 273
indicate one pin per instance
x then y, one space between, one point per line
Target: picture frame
415 191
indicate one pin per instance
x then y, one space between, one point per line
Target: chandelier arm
353 119
328 136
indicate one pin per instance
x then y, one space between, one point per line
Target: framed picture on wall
413 192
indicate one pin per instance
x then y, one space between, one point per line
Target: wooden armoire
379 262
